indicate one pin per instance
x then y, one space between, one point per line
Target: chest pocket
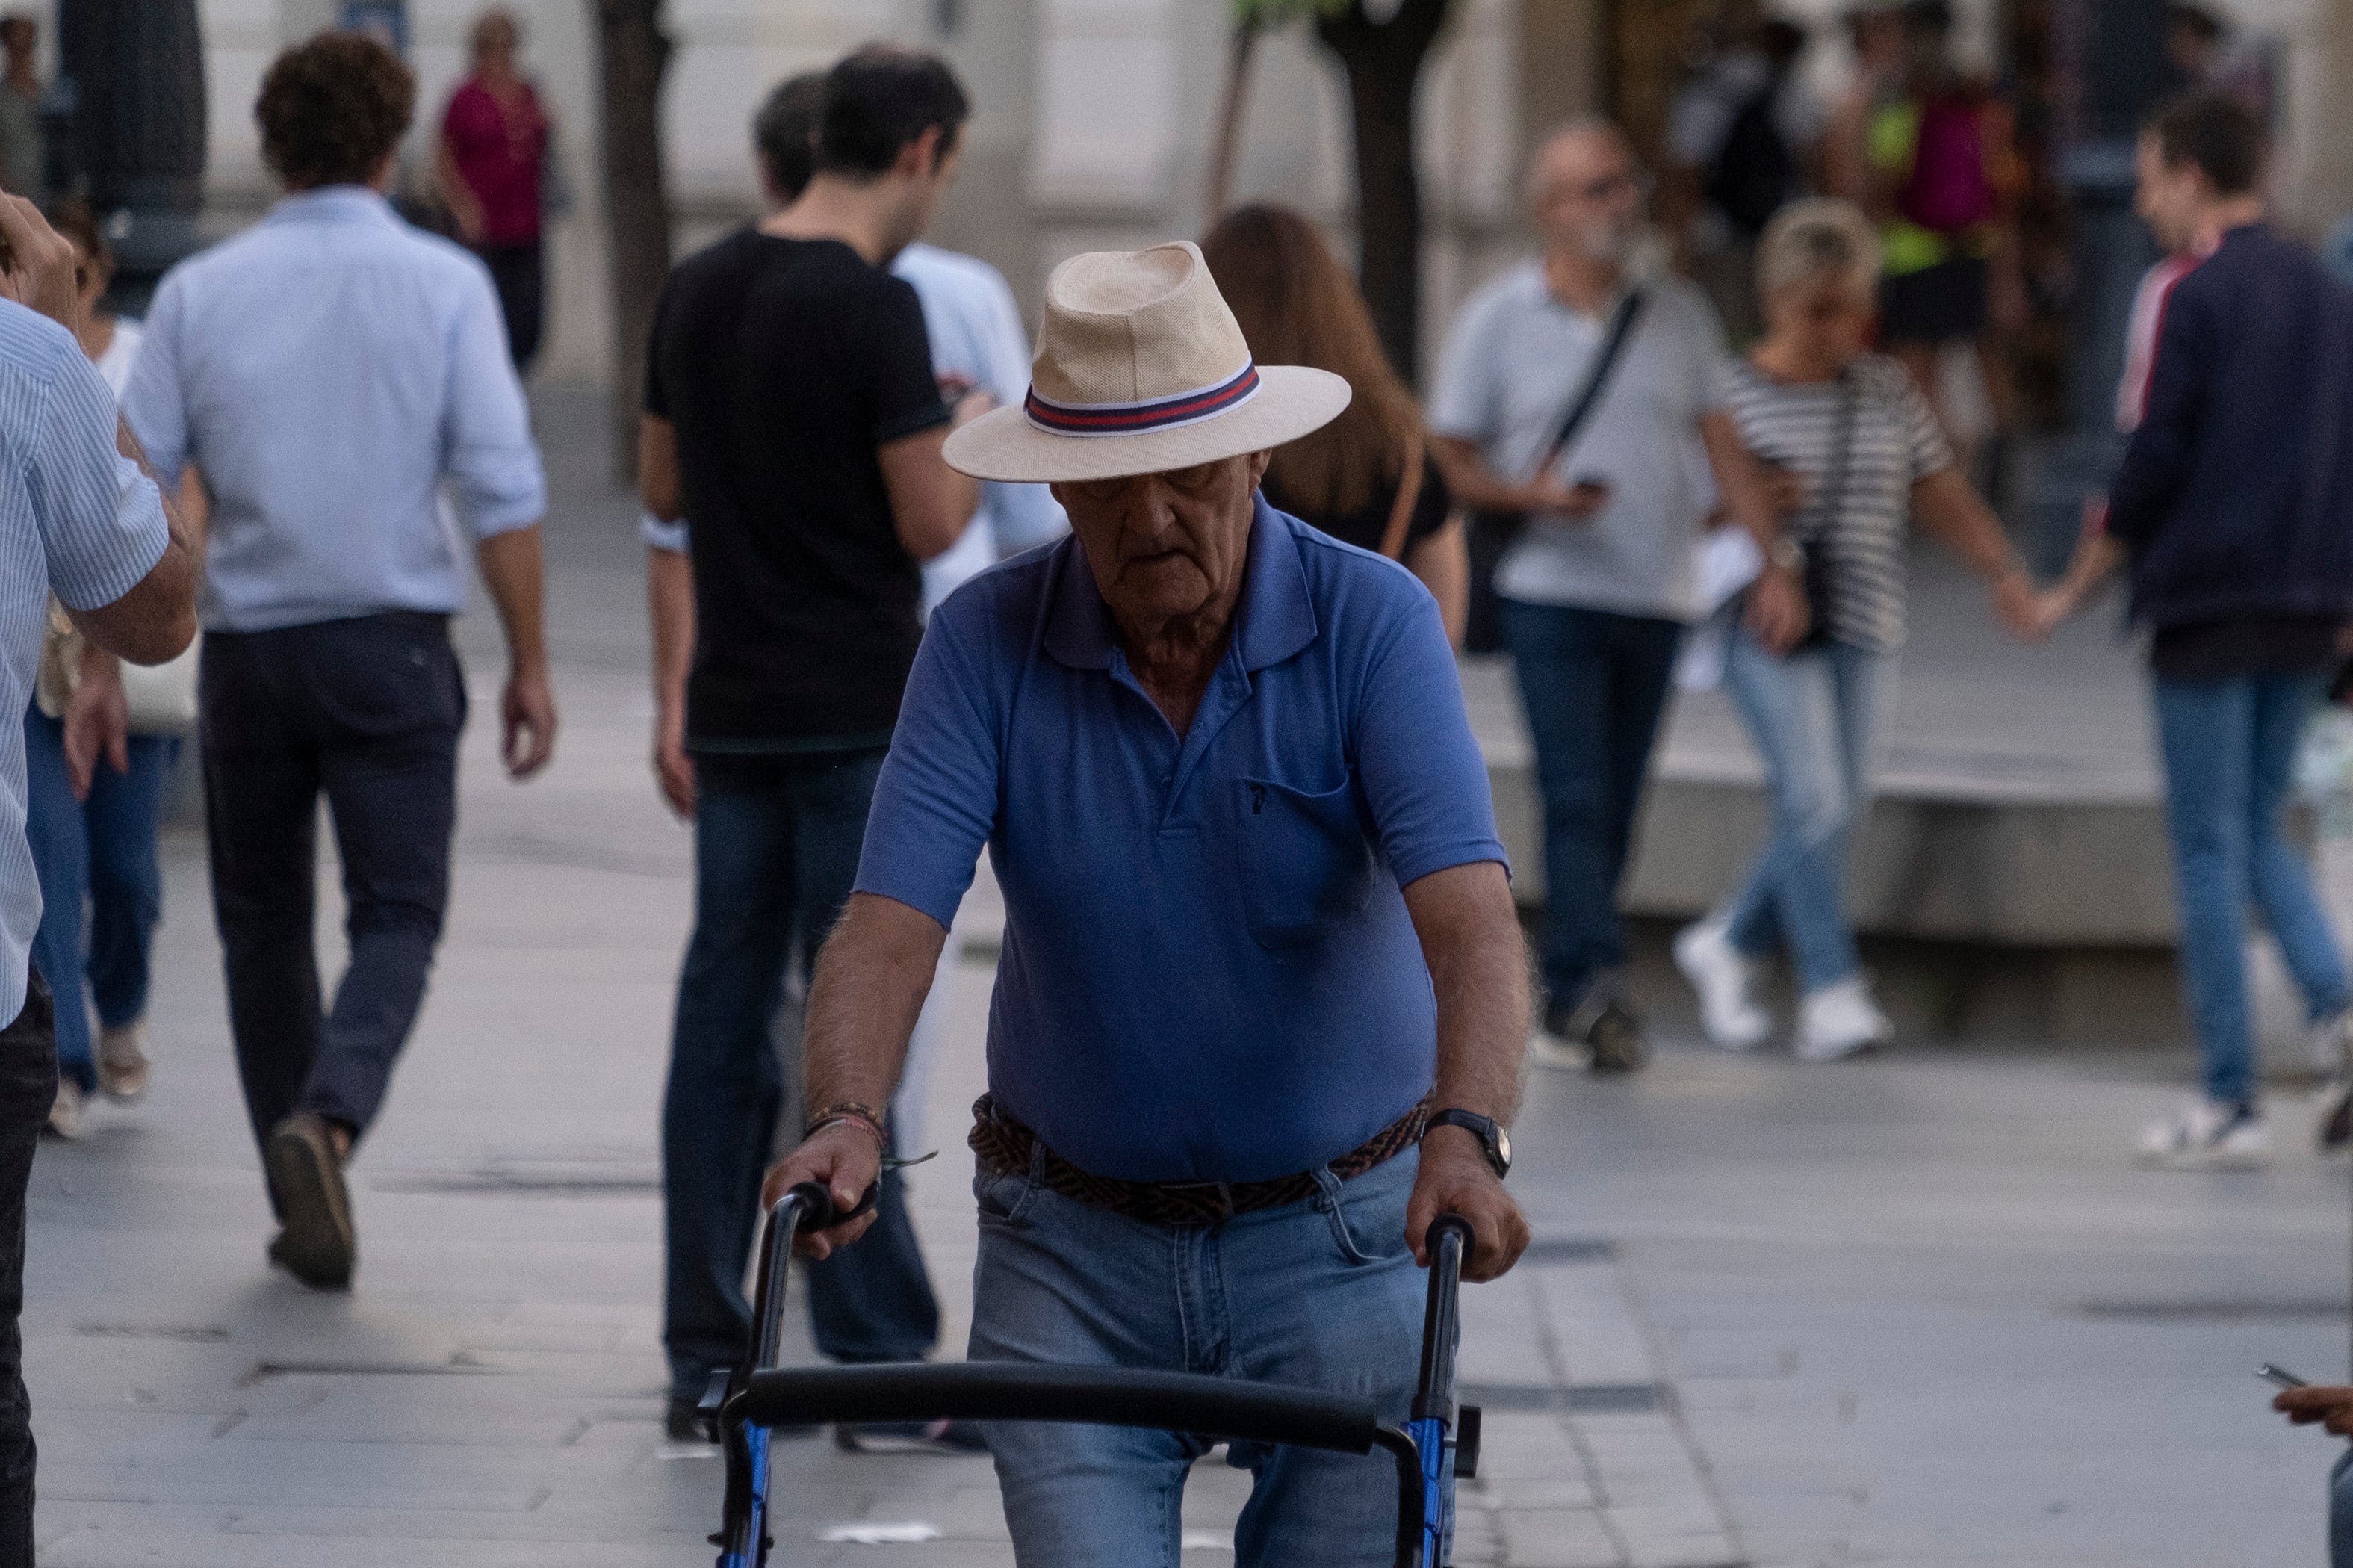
1304 863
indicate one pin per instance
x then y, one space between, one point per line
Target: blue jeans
1321 1294
776 853
102 884
1812 716
2229 747
1594 684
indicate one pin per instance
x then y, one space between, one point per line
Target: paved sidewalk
1917 1312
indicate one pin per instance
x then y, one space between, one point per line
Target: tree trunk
635 53
1233 107
1384 61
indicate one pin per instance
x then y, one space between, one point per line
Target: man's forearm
512 570
1478 968
1471 481
871 983
670 603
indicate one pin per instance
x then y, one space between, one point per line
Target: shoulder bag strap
1408 496
1581 406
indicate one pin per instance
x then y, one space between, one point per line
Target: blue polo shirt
1208 972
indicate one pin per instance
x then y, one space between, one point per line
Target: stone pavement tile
1498 1493
1559 1538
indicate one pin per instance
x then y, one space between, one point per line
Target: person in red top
494 143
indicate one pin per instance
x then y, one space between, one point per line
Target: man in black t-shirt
792 416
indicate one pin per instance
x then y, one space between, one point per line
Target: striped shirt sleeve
101 519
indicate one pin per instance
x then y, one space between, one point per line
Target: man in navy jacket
2234 507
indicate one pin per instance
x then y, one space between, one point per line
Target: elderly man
1262 1000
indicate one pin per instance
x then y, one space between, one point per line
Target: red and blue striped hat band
1138 418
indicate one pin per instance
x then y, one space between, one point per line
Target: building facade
1093 118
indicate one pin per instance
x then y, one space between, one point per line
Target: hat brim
1290 401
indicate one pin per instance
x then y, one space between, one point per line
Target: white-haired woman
1835 448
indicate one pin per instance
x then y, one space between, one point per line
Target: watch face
1503 1146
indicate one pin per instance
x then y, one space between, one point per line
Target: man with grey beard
1595 585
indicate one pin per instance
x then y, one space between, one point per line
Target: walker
1438 1443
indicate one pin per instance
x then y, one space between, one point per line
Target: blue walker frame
1438 1443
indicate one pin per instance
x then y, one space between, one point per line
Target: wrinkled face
1826 320
2167 196
1588 194
1166 546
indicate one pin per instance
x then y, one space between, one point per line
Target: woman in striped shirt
1836 446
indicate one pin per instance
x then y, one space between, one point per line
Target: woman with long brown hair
1367 478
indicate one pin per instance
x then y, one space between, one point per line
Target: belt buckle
1224 1190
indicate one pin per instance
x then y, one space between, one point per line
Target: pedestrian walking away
491 166
95 771
1259 938
793 418
2228 512
337 374
1596 584
1828 449
89 526
1368 477
977 343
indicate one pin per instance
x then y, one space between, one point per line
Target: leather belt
1005 1147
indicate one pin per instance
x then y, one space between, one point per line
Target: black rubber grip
1015 1390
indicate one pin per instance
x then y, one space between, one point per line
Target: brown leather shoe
318 1247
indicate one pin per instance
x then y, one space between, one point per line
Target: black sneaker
951 1438
686 1423
1614 1037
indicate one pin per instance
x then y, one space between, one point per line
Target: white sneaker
65 1111
2331 1041
1725 979
1839 1020
2207 1135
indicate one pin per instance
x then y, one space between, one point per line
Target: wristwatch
1786 553
1493 1141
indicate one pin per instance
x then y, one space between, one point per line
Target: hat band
1137 418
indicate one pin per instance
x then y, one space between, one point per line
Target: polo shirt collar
333 203
1273 619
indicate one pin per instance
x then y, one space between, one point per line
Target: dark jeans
368 709
776 853
28 1081
519 273
102 884
1594 684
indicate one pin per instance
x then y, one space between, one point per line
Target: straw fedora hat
1141 368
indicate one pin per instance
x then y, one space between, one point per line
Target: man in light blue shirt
79 520
342 381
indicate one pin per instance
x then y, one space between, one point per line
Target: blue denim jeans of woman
1323 1294
102 882
2229 748
1812 716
